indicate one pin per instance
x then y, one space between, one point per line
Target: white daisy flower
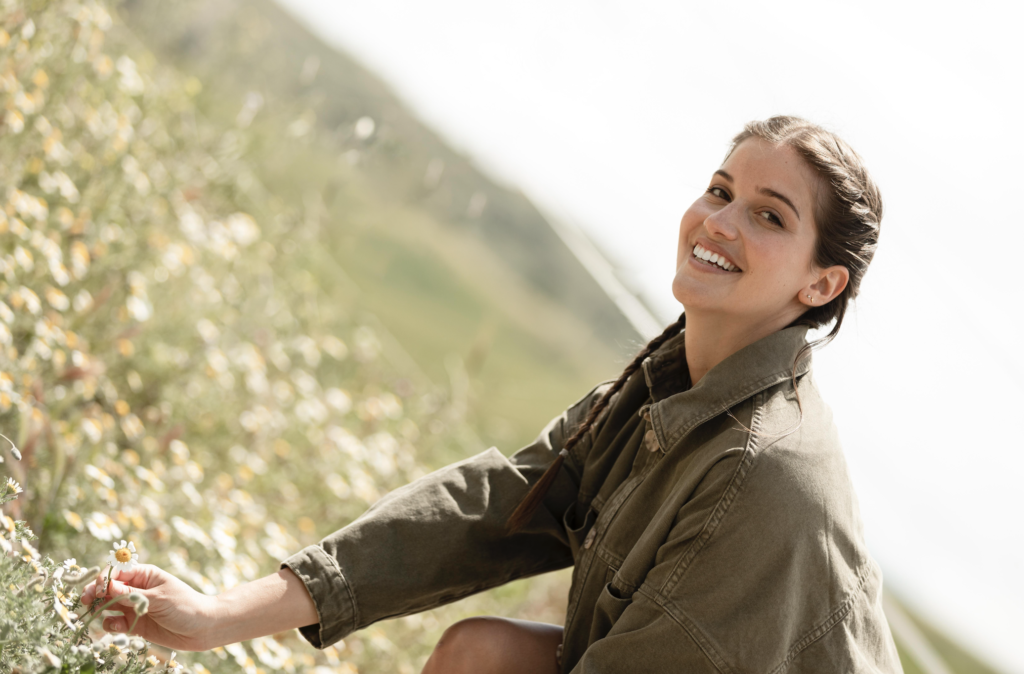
13 487
123 557
71 565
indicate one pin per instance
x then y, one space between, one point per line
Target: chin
688 296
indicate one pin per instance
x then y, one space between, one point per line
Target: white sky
613 114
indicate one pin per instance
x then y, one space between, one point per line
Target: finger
93 589
121 591
120 623
142 576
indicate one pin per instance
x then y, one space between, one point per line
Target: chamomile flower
123 557
13 487
71 565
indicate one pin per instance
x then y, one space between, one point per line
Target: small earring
810 298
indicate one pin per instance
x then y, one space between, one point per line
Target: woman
702 497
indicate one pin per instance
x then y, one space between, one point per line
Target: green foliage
44 627
172 369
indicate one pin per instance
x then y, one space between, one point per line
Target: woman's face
756 222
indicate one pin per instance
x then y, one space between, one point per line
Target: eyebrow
767 191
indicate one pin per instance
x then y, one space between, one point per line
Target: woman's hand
181 618
178 617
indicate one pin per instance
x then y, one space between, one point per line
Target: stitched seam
608 558
614 505
827 624
577 591
752 389
721 508
348 586
687 626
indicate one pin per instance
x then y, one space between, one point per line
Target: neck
710 339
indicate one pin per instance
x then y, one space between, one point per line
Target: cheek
691 220
782 267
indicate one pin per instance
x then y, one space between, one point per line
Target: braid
524 511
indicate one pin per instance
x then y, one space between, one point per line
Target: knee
465 646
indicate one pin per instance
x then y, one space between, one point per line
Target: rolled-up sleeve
441 538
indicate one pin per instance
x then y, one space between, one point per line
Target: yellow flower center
123 555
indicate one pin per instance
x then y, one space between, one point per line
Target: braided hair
524 511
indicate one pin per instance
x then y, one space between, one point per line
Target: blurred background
380 237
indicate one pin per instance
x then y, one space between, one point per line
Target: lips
702 253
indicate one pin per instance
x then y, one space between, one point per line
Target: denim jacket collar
676 409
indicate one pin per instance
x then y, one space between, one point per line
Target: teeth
702 253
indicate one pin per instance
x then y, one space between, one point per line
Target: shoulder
798 468
786 557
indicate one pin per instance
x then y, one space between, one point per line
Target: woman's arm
181 618
429 543
275 603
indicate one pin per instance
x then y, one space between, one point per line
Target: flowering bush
167 383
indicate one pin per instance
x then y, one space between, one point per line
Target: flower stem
101 610
106 587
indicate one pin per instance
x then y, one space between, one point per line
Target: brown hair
848 212
848 216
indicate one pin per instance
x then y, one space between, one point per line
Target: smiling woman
788 268
702 497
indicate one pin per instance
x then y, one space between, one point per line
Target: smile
702 253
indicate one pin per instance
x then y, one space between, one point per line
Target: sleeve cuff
334 599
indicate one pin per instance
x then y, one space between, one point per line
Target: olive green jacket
712 529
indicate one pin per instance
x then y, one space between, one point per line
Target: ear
830 283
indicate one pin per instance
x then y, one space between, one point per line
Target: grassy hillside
465 273
186 366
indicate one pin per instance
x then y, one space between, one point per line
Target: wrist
215 621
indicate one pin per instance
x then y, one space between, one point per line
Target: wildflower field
172 380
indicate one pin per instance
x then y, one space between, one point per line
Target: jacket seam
837 616
725 501
348 586
687 625
753 389
614 504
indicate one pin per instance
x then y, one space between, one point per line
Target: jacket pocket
607 611
577 528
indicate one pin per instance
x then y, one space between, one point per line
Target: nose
722 223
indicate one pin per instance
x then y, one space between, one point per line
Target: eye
772 218
716 191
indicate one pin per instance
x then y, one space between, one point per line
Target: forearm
275 603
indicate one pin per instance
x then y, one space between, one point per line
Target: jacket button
651 440
589 540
